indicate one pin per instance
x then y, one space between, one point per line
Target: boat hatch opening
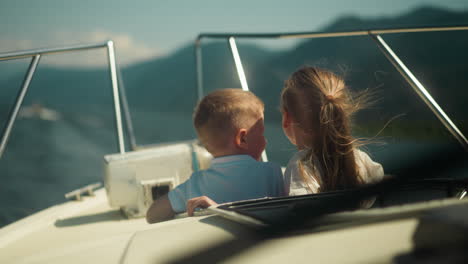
154 189
160 190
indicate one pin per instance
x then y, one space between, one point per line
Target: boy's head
229 122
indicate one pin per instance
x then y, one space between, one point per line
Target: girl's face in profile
294 132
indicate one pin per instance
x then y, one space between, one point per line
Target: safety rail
374 34
117 90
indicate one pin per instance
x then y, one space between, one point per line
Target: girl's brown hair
321 106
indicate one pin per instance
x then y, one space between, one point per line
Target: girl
316 110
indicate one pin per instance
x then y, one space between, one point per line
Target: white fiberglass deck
91 232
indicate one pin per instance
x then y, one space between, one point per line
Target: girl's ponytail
334 149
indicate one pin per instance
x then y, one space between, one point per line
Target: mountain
437 59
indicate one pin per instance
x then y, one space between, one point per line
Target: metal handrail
36 55
302 35
384 48
29 53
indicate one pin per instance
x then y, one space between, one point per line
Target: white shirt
230 178
369 170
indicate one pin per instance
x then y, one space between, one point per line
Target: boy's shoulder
271 165
233 163
196 174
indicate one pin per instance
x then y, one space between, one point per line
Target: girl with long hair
316 108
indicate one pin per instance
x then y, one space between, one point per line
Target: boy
229 123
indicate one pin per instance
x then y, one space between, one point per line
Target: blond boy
229 123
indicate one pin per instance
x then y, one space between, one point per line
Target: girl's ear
240 139
286 121
288 129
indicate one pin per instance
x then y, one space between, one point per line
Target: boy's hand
202 202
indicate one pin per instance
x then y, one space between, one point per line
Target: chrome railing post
199 68
420 90
115 90
114 74
18 102
238 63
126 110
241 74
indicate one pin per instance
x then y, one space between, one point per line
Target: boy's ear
240 139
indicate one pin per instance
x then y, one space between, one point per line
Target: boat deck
89 231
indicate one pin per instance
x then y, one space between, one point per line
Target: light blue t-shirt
230 178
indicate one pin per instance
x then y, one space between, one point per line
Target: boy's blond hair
220 113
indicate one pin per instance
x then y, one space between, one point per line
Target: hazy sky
148 28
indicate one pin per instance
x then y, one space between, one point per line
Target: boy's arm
160 210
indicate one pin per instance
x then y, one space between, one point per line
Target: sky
144 29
